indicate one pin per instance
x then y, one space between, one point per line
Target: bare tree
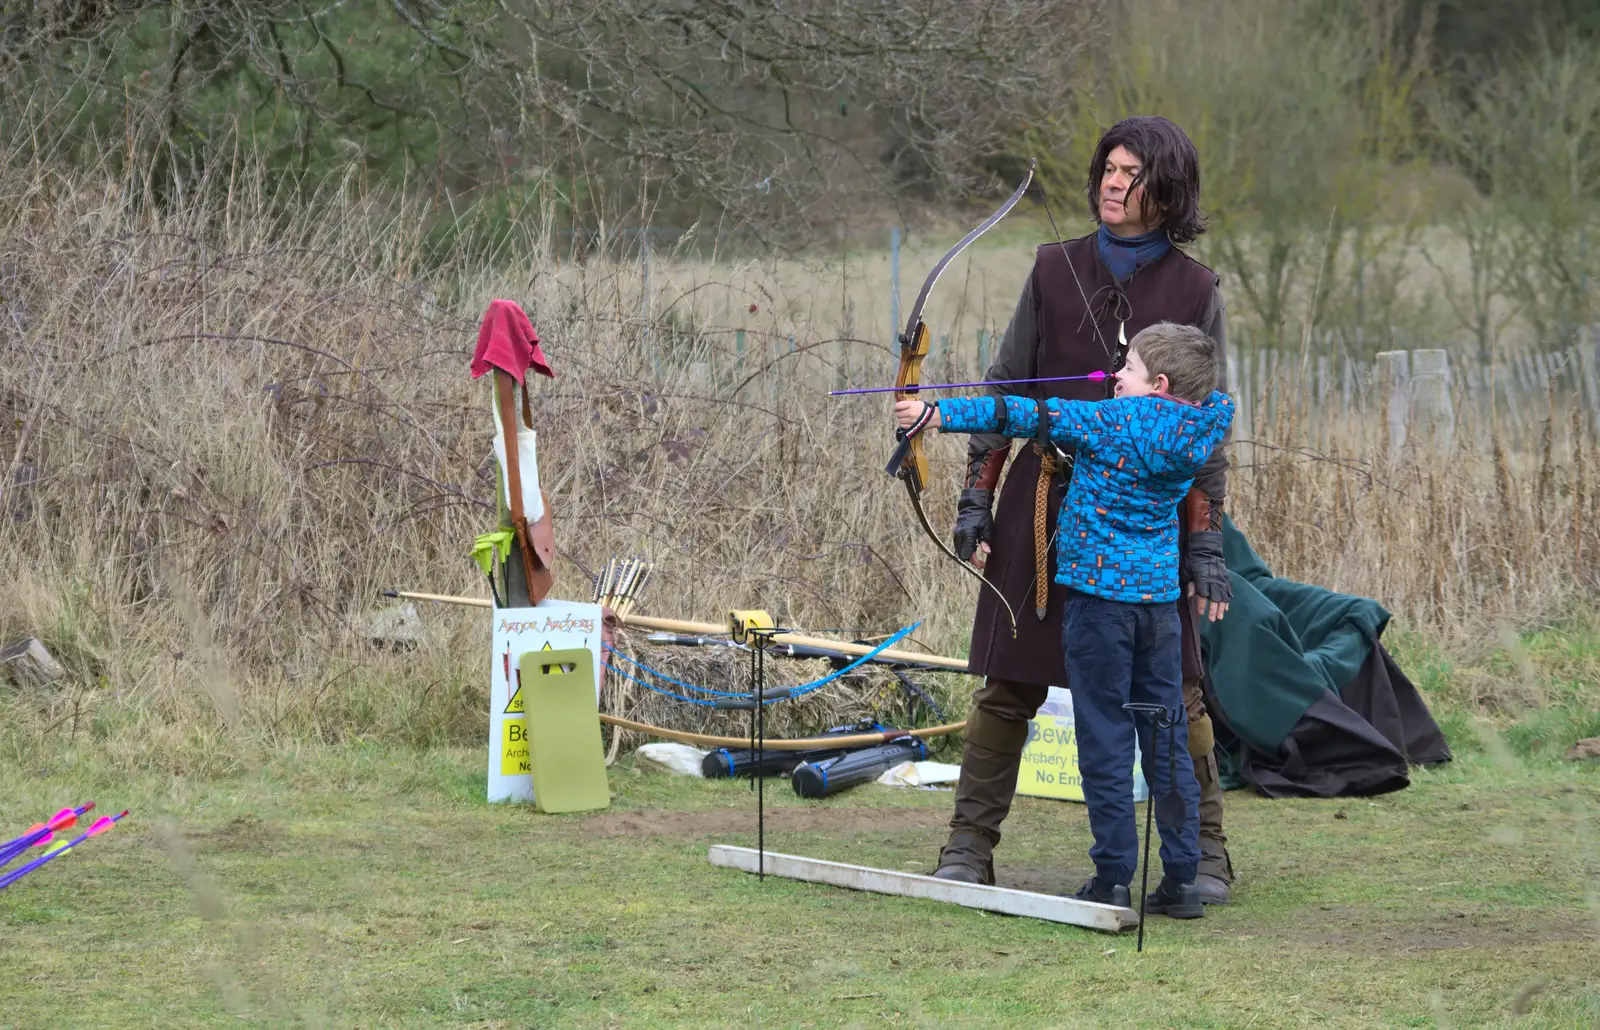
763 110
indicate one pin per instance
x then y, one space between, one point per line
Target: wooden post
1429 398
1391 372
1589 360
27 663
1051 907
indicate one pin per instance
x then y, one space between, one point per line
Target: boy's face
1134 379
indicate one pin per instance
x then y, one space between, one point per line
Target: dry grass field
226 431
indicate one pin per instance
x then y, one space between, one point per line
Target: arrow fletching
40 834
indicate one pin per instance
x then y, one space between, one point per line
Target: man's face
1122 212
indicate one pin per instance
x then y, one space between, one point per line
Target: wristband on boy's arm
928 411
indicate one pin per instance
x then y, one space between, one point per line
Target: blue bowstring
799 691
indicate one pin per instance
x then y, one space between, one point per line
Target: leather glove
1205 568
973 521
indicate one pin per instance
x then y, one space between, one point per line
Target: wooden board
1055 909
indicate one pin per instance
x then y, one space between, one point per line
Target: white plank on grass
1051 907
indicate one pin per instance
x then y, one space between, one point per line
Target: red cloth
506 341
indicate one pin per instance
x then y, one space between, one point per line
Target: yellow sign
1050 758
514 759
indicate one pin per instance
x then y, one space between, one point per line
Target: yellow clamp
741 623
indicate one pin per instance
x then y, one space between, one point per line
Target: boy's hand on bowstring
908 413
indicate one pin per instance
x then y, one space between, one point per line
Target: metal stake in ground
761 637
1171 801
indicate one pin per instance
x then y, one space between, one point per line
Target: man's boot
989 766
1215 877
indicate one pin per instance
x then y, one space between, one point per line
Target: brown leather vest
1074 340
1174 288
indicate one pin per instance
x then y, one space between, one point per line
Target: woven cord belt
1041 544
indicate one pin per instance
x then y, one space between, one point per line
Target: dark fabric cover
1306 699
1174 288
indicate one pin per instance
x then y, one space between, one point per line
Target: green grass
359 886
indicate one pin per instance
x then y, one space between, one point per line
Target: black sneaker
1104 893
1178 900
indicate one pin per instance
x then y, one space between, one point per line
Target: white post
1430 399
1391 373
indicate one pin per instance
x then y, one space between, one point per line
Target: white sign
551 626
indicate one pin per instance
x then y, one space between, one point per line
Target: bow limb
922 517
910 461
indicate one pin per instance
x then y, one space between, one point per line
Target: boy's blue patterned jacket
1136 457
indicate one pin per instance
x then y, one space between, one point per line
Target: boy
1117 551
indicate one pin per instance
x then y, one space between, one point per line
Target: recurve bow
910 462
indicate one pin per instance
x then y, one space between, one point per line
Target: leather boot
984 794
1215 876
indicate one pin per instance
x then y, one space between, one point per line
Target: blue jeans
1117 653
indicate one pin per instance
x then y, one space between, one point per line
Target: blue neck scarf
1125 255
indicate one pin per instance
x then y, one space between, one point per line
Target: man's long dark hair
1170 173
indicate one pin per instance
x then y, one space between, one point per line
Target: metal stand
760 637
1160 718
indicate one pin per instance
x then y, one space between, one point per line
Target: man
1082 301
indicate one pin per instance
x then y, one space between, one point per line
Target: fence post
1391 370
983 354
1589 359
644 265
1429 396
894 290
1240 389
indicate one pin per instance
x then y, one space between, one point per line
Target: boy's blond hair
1182 353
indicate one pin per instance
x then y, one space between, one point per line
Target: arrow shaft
962 386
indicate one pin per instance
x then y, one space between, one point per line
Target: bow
909 462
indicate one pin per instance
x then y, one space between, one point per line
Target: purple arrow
1095 376
101 825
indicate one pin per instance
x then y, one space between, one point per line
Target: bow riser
910 461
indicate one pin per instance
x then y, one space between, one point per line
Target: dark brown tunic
1053 333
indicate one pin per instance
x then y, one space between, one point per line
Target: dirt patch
690 825
1063 881
245 833
1434 932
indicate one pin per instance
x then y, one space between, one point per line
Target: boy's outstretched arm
1078 424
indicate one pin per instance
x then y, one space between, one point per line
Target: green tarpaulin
1307 695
